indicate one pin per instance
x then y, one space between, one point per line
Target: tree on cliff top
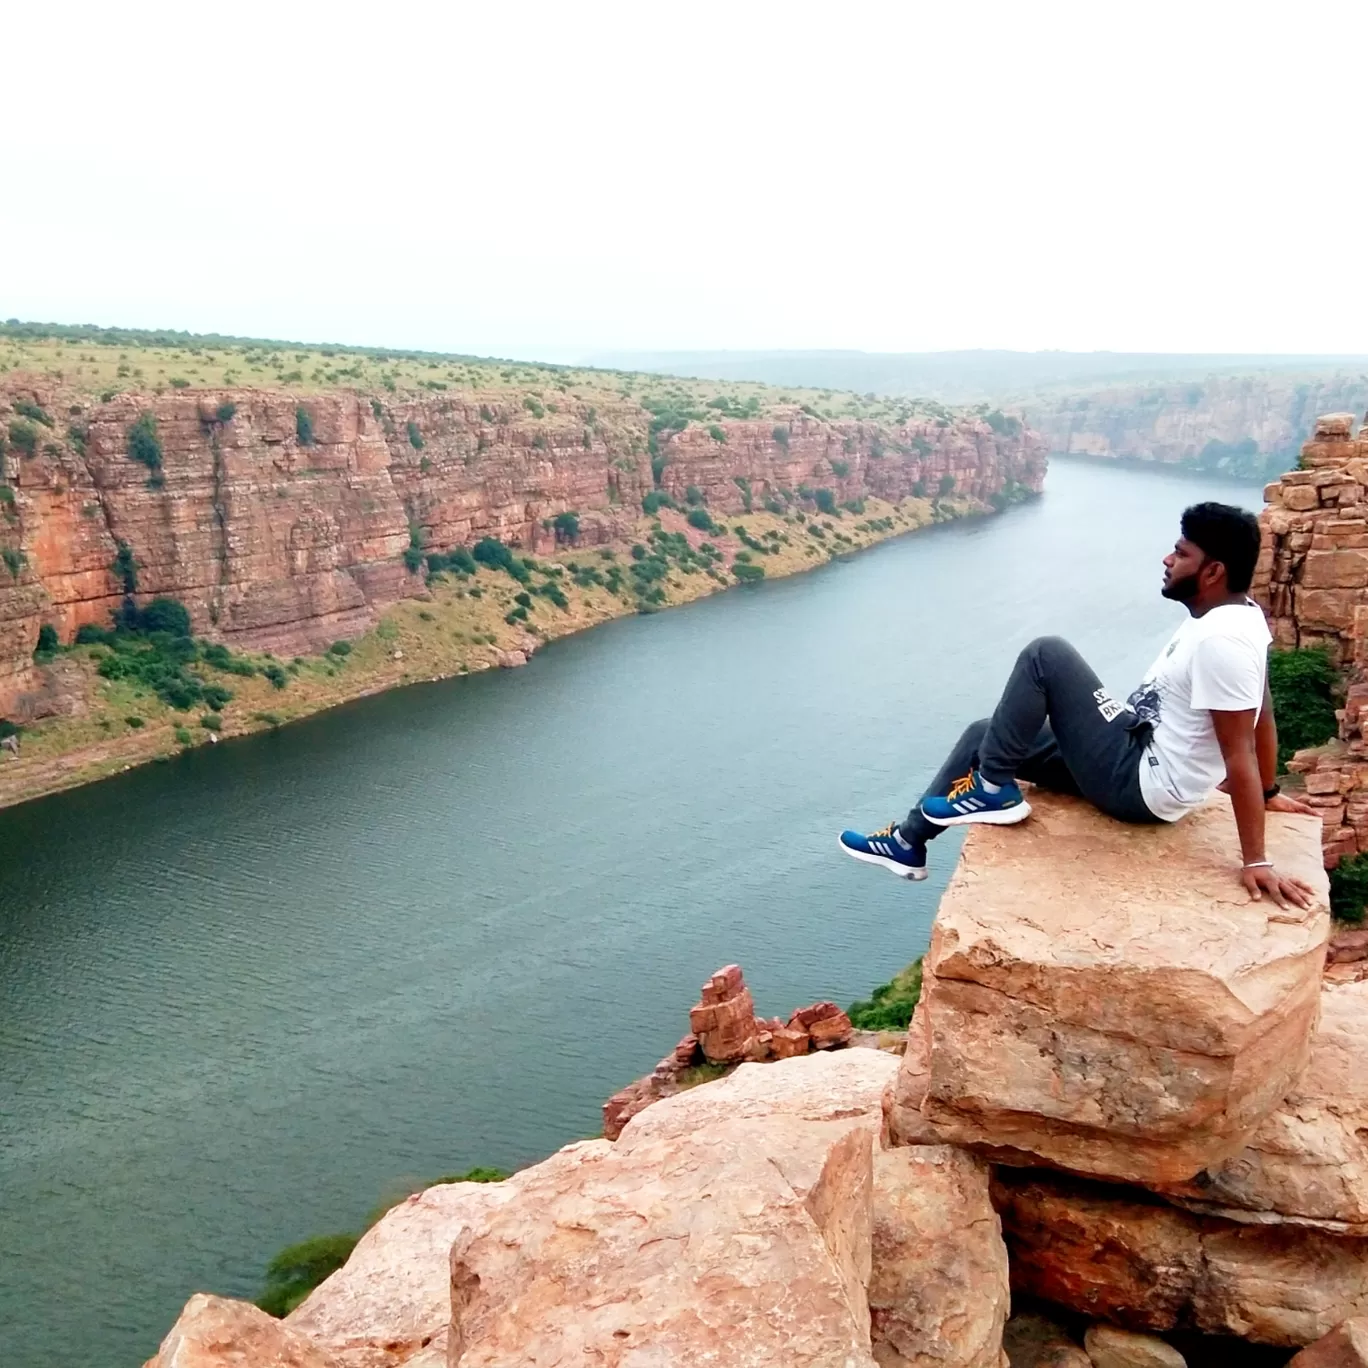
1304 685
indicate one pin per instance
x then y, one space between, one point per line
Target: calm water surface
245 994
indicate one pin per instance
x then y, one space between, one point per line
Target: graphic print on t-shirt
1215 662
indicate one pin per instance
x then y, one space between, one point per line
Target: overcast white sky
551 179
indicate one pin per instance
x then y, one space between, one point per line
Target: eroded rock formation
281 520
1312 580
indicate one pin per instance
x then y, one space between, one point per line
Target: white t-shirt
1214 662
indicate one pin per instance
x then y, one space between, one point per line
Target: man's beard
1181 591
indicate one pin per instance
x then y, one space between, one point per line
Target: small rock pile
725 1030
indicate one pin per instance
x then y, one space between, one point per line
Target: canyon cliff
281 520
1250 425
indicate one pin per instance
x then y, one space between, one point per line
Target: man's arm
1244 756
1266 741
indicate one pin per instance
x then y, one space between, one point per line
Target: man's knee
1047 651
972 736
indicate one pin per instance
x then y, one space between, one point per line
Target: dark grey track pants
1056 726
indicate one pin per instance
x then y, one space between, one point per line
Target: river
249 992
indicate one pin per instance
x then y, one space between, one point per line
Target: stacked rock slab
1312 581
1104 998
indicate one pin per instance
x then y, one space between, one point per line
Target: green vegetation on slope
890 1006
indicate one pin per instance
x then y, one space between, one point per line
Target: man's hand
1284 802
1280 887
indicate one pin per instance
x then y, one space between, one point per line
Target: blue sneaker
969 801
888 849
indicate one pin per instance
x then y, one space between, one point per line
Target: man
1201 720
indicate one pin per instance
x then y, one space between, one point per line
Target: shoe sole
1001 817
893 867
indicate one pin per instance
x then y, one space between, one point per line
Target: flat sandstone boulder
1105 997
745 1245
842 1085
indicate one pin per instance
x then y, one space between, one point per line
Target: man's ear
1212 575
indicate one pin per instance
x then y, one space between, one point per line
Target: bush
144 446
826 501
6 496
296 1271
276 675
227 411
23 437
693 496
135 722
340 648
415 437
211 722
47 642
946 486
523 599
14 561
304 428
183 737
781 435
718 434
164 615
1349 889
492 552
1303 683
702 520
567 526
89 634
26 408
216 697
890 1005
655 501
840 469
747 572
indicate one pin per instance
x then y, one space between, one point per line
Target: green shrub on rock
1349 889
297 1270
890 1006
1304 684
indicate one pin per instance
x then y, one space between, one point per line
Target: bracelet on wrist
1259 864
1272 792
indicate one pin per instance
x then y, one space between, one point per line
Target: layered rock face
281 521
1108 1029
1247 425
1312 580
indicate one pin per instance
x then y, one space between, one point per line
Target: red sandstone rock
825 1023
744 1244
1346 1346
938 1292
391 1303
1348 947
1105 998
724 1019
1110 1254
215 1332
1312 580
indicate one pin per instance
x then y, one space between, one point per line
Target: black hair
1225 534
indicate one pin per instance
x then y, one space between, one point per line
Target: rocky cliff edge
1126 1095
